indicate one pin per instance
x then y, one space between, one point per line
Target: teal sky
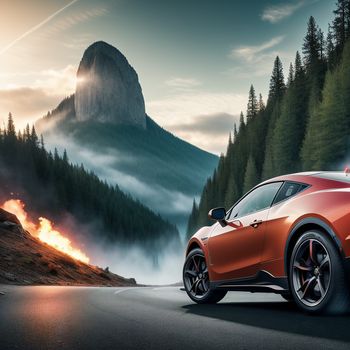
195 59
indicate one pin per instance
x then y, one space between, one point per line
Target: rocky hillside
26 260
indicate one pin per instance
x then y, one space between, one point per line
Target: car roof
292 177
311 176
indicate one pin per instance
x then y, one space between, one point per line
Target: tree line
304 126
51 186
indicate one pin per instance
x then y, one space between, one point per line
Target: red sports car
289 235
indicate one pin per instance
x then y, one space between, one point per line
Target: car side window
258 199
289 189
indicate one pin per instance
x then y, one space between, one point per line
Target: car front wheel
196 279
317 276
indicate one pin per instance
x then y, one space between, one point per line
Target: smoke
133 262
160 263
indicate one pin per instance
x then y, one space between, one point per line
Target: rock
108 89
2 293
8 218
10 276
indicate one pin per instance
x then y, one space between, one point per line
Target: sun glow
44 230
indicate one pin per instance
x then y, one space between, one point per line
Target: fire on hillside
44 230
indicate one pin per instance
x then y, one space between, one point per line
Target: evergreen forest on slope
304 126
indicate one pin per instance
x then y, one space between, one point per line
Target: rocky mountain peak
107 88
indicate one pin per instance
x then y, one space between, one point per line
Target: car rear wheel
317 275
196 279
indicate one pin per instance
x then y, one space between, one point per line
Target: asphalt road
158 318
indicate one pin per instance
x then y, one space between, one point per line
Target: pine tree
330 50
34 137
234 132
251 177
339 25
321 44
65 157
42 143
261 103
277 90
311 46
26 133
290 127
192 222
252 107
56 157
299 71
241 122
11 130
327 140
277 85
290 75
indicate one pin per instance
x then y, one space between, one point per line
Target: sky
195 59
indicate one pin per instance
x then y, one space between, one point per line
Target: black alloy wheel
312 271
317 276
196 279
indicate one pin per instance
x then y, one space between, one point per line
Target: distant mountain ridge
106 115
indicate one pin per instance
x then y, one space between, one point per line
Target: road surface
158 318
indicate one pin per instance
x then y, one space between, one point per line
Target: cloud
209 131
30 103
276 13
60 82
217 124
183 107
184 84
253 53
257 60
188 109
25 103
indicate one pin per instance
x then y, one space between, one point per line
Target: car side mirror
218 214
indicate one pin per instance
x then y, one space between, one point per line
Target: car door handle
256 223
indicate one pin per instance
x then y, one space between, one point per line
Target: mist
172 205
133 262
160 267
160 264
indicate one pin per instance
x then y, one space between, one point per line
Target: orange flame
44 230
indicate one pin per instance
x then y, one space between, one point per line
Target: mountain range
105 126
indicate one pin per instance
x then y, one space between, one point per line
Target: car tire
317 275
196 279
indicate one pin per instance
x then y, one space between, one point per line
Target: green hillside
53 187
154 166
304 126
152 155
